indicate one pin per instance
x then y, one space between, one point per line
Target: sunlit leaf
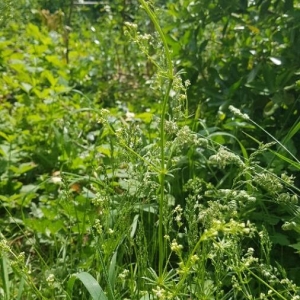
90 284
276 61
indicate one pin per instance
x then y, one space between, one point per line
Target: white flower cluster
238 113
224 157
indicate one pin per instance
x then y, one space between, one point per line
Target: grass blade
4 276
112 270
90 284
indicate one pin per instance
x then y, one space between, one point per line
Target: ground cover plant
115 185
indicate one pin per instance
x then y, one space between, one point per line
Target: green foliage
109 176
90 283
241 53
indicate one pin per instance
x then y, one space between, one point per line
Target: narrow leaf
90 284
112 270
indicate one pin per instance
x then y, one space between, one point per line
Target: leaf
296 246
62 89
90 284
291 162
54 60
146 117
112 270
26 87
234 87
292 132
29 188
269 78
147 296
269 219
5 136
134 225
4 264
105 150
33 30
270 108
253 29
23 168
252 75
280 239
49 76
275 61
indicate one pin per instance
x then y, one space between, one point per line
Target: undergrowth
142 206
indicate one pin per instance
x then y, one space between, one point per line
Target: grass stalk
163 171
267 285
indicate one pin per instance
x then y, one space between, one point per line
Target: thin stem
266 284
162 175
273 138
67 28
163 171
153 18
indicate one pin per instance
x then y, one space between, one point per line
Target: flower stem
170 76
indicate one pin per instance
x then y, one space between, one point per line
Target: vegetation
148 150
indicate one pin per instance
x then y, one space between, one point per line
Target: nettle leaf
23 168
269 219
280 239
42 94
56 61
33 31
26 87
49 76
62 89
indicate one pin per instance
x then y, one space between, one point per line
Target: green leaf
49 76
134 225
23 168
296 246
4 264
28 188
291 162
90 284
252 75
269 78
292 132
54 60
5 136
33 30
112 270
280 239
275 61
26 87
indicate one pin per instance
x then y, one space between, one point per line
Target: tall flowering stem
170 77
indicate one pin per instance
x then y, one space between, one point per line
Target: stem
67 28
274 139
154 20
188 263
163 171
266 284
162 175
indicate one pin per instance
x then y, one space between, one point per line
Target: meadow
149 150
